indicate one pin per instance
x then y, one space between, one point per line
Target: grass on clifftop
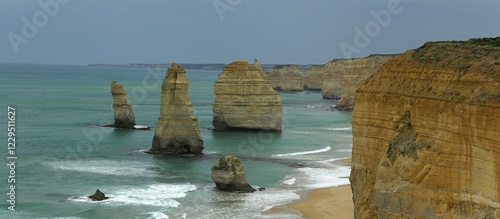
487 41
494 42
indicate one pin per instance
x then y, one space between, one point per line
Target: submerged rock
245 101
229 175
177 129
98 196
124 116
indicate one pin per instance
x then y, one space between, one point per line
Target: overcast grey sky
220 31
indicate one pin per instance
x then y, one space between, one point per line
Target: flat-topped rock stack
177 129
245 101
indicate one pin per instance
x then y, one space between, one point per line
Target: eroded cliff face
344 76
426 133
286 78
314 77
245 101
177 129
123 114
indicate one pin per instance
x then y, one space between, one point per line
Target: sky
81 32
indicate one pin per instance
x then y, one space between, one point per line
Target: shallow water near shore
64 153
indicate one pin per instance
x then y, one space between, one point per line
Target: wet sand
330 202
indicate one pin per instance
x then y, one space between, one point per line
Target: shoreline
325 202
329 202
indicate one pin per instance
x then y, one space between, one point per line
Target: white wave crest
160 195
156 215
325 177
289 181
117 168
339 129
304 152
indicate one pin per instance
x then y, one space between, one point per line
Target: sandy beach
330 202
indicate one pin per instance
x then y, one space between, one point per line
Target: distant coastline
210 66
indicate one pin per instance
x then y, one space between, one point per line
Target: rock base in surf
229 175
123 114
98 196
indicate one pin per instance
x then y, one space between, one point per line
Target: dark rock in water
229 175
98 196
262 189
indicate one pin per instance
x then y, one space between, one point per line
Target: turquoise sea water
63 154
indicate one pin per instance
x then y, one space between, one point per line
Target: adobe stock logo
49 9
223 6
372 29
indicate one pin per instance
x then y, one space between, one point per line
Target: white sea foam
300 132
289 181
339 129
345 136
156 215
58 218
329 161
270 198
210 152
344 150
160 195
304 152
325 177
105 167
140 127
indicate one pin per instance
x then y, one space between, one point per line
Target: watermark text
11 157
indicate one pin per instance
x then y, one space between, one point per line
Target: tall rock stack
245 101
177 129
426 133
286 78
124 116
259 67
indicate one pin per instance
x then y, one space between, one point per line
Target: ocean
64 154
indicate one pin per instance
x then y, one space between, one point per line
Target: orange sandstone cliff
426 134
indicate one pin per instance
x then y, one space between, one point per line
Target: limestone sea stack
177 129
244 101
426 133
124 116
228 174
259 67
286 78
